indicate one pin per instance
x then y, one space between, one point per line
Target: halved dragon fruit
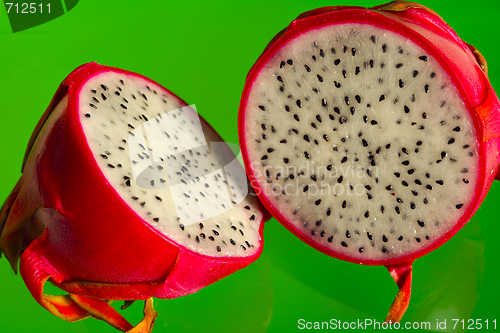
126 194
371 133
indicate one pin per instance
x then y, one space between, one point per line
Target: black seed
382 208
459 206
317 202
384 239
452 140
365 119
344 74
337 110
318 117
466 181
411 171
415 73
346 99
344 204
296 117
464 170
323 102
294 130
262 107
384 249
384 48
286 160
404 183
426 88
357 71
401 83
344 244
425 201
423 58
299 103
123 106
418 182
320 78
397 174
313 177
400 238
388 187
371 63
340 179
382 97
330 239
87 115
412 205
337 62
397 210
417 239
348 234
289 61
264 157
420 223
307 68
415 193
367 214
372 39
433 75
306 154
405 162
344 159
373 122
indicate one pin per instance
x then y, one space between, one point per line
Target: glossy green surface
202 51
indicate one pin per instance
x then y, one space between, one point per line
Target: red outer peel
467 70
82 237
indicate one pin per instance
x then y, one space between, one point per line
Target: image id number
27 8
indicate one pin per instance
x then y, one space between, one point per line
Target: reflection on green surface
202 51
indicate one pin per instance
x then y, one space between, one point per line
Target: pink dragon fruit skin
66 223
467 70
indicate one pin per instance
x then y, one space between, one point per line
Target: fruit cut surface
169 166
358 140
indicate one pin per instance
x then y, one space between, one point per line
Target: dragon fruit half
372 134
126 194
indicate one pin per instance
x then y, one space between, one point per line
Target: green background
202 51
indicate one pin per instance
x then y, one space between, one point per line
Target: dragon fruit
126 194
372 134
